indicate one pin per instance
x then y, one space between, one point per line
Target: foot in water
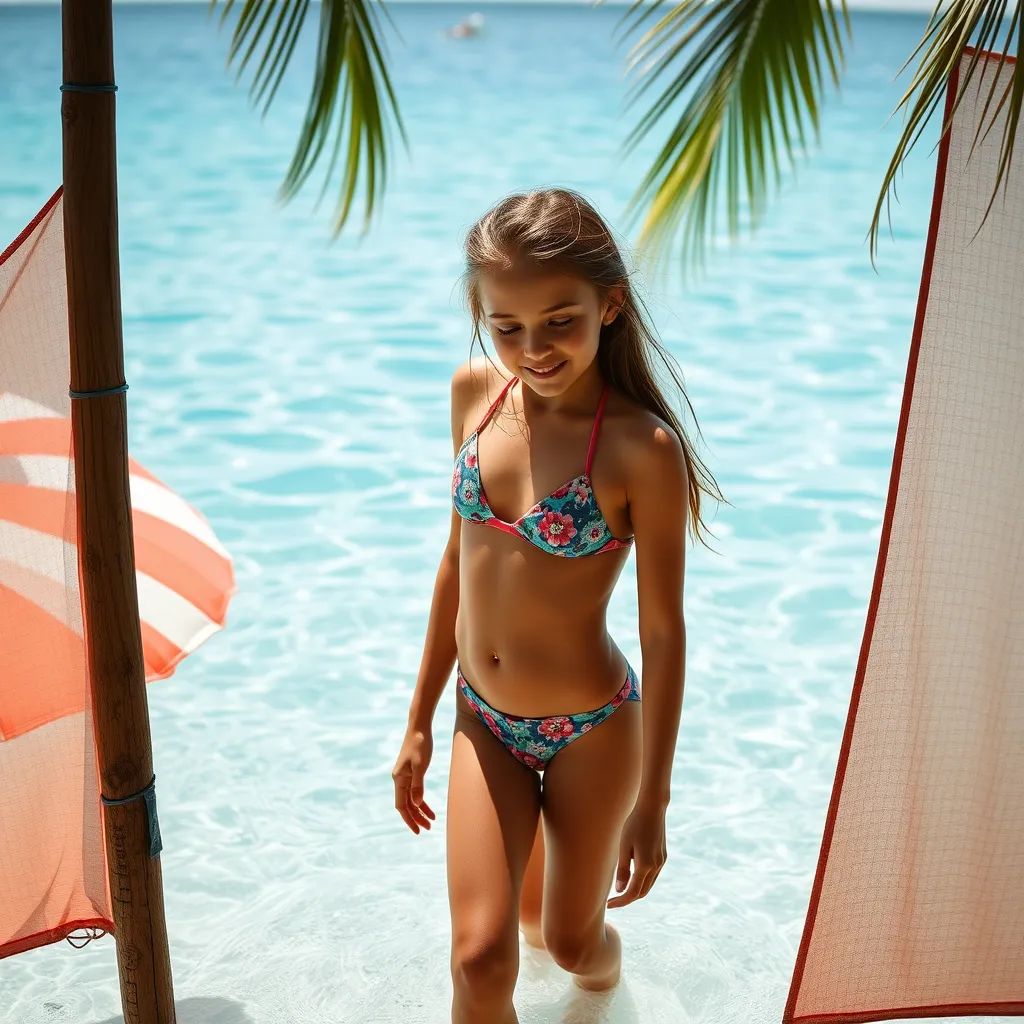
606 974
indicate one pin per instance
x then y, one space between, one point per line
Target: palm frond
949 31
351 97
757 69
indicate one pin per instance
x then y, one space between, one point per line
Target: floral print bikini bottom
534 741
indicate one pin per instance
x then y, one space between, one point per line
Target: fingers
402 801
638 887
633 891
416 793
409 802
622 872
648 882
416 811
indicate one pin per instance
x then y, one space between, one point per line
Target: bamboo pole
106 549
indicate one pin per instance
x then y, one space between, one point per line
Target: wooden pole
106 549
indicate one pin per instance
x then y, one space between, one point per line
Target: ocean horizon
896 6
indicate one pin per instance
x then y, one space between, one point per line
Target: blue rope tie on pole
72 87
119 390
149 795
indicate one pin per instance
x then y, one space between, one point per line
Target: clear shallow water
296 392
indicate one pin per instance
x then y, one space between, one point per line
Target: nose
536 343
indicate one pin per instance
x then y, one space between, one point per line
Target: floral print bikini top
566 522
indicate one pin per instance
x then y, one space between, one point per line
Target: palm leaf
351 97
755 71
962 23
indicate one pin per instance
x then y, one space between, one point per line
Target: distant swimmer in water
468 27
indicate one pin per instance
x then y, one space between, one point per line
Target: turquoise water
296 392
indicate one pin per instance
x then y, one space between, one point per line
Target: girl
566 456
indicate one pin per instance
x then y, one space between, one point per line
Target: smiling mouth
547 371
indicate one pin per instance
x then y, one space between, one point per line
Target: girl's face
545 326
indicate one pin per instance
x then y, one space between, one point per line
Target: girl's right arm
439 648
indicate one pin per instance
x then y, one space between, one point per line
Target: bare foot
607 974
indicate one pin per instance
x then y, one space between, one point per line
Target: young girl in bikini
566 456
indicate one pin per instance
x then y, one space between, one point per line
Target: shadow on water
201 1010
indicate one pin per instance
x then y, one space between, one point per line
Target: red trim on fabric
970 51
54 935
500 524
474 699
788 1016
593 433
494 405
908 1012
32 225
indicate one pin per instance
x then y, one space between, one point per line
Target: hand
643 842
408 774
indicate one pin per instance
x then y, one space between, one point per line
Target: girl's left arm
658 504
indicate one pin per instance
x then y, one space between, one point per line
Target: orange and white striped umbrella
185 576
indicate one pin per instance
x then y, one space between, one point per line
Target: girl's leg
590 788
493 807
533 893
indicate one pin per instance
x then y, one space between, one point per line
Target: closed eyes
554 323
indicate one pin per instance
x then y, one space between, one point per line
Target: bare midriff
531 628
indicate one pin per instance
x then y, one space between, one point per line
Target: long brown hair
560 228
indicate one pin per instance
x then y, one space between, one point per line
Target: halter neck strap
593 434
494 405
597 427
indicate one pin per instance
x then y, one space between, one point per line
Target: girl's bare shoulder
475 384
640 440
477 378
